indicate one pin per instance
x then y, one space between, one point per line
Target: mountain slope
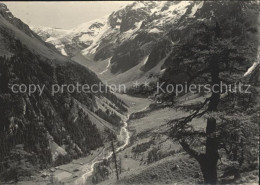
16 28
70 42
40 130
127 36
175 42
136 42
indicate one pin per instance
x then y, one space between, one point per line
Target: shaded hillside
42 130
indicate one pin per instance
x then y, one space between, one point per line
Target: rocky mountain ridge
136 42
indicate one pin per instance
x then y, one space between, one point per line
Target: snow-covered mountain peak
71 41
143 29
91 25
119 26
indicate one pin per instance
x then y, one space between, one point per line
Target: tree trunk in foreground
209 164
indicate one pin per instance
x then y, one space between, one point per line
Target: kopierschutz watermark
179 89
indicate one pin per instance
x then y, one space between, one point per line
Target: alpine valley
143 135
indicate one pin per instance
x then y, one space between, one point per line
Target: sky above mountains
62 14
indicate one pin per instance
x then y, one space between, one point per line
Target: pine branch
190 150
184 120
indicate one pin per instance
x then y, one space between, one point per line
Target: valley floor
149 158
152 157
73 171
155 159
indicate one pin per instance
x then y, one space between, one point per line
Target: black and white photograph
129 92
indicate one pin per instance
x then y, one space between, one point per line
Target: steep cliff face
52 129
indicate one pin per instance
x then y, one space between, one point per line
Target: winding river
124 134
89 168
